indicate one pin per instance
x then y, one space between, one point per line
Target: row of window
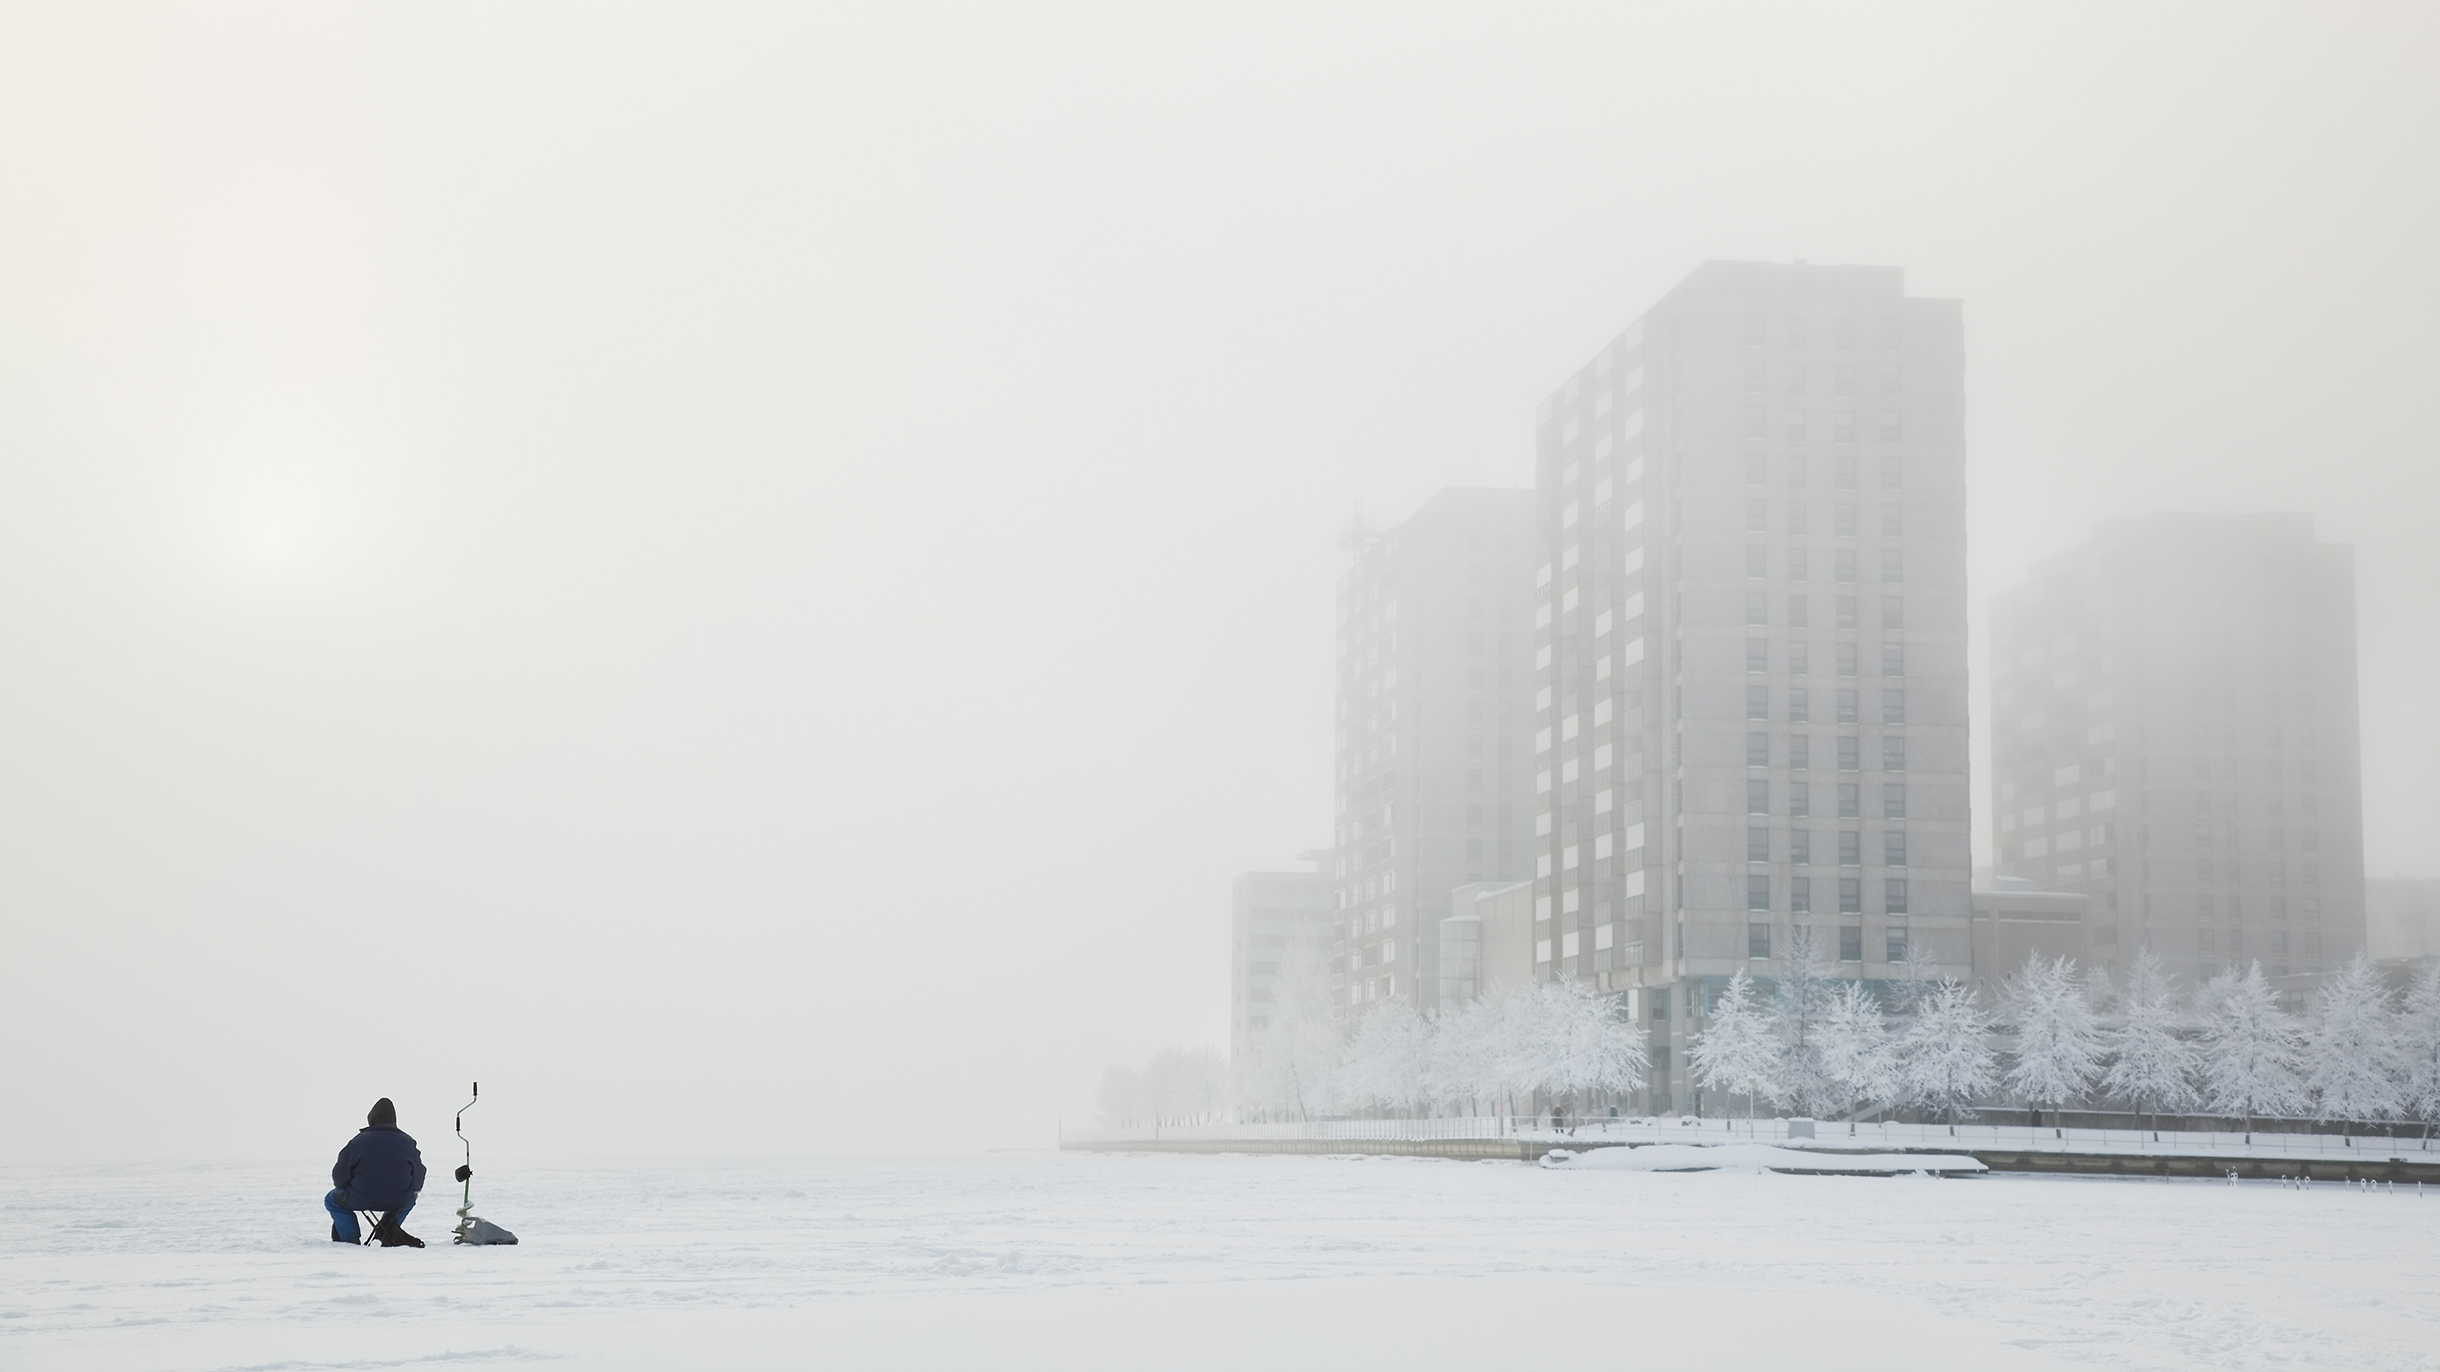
2275 873
1758 887
1849 794
1845 330
1842 563
1850 847
2207 906
1796 470
1843 611
1843 657
1842 518
2207 941
1844 700
1844 379
1850 946
1794 425
1800 753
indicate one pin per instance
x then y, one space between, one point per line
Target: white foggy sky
748 575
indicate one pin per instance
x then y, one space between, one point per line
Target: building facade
2174 735
1435 725
1750 657
1279 926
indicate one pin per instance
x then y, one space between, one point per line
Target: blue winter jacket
379 1169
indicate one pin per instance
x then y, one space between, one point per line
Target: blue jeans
343 1215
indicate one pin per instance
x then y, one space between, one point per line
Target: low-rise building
1277 918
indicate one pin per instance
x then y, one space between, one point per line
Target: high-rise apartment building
1279 928
2174 734
1750 667
1435 730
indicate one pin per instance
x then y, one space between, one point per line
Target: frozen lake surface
1040 1260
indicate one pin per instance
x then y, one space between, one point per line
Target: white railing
2374 1148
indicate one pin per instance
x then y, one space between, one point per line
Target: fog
748 576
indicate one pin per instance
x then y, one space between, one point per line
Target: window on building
1792 425
1851 943
1893 848
1757 467
1846 659
1893 800
1797 704
1850 848
1757 654
1893 612
1850 895
1845 515
1758 797
1758 516
1842 472
1893 565
1800 894
1893 706
1757 845
1893 519
1846 614
1800 611
1757 607
1798 657
1800 799
1893 895
1796 564
1757 559
1758 936
1846 705
1658 999
1842 562
2207 939
1894 944
1757 749
1757 702
1757 422
1756 377
2204 906
1849 758
1800 846
1893 471
1796 517
1893 753
1893 659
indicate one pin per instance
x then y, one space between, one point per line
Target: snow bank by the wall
1755 1157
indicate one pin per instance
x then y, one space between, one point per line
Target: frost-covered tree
1388 1062
1945 1057
2151 1065
1481 1053
1292 1069
2058 1041
2419 1048
1807 987
1185 1085
1737 1050
2352 1051
1919 974
1582 1043
2251 1055
1858 1057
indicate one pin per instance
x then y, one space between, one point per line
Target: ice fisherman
379 1170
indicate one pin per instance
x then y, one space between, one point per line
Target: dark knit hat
383 1115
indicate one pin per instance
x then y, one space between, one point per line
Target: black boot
389 1235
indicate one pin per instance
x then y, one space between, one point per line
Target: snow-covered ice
1084 1261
